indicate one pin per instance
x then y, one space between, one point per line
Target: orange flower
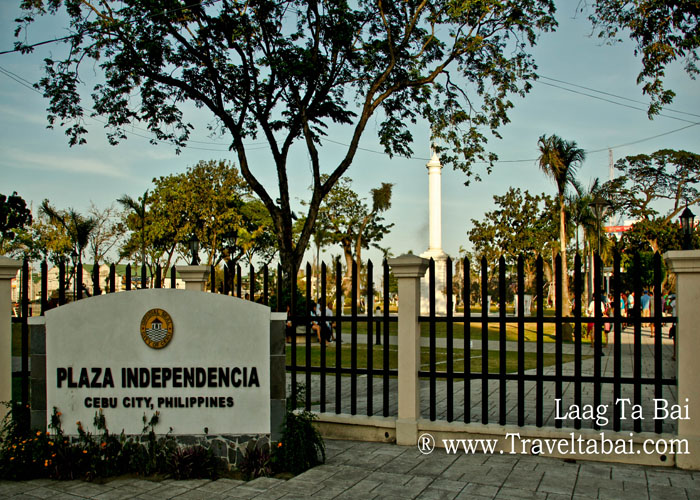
58 414
279 445
104 445
12 458
85 452
38 433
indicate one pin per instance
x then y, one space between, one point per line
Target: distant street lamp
687 223
74 258
193 245
599 205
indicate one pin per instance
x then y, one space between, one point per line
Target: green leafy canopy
283 71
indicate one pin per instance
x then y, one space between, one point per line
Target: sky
38 163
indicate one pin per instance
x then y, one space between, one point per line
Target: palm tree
76 226
559 160
138 207
580 204
78 229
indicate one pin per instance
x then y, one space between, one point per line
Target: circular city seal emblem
157 328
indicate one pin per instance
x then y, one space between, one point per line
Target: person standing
623 309
326 326
652 312
630 304
672 330
645 304
288 328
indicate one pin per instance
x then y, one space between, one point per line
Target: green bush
193 462
301 446
51 454
32 455
257 461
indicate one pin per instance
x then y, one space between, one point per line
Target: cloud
65 163
23 115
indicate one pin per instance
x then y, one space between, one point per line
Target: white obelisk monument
435 250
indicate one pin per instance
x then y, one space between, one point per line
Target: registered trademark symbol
426 444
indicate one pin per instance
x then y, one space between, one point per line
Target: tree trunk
565 307
347 279
550 289
290 263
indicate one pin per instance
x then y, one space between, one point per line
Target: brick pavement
376 471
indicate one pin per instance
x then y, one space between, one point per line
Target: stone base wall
230 448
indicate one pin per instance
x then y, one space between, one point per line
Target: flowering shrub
51 454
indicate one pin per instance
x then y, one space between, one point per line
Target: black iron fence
358 373
374 341
510 382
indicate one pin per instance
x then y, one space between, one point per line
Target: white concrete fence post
409 269
8 271
686 265
195 277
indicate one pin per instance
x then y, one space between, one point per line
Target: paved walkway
374 471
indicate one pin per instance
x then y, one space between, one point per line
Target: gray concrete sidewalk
373 471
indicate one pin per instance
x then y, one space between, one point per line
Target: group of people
322 328
627 305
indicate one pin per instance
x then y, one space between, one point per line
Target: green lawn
458 330
440 357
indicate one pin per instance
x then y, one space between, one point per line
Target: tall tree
77 227
139 211
284 70
209 201
582 215
256 237
347 219
558 160
205 202
107 233
520 224
664 31
14 216
666 178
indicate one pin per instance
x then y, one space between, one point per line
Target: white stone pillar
686 265
408 269
435 202
435 250
8 271
195 277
